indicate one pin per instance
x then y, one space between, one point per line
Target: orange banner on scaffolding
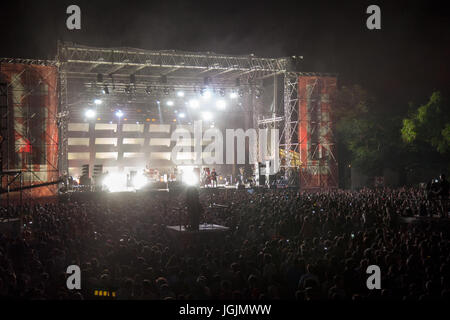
315 132
32 145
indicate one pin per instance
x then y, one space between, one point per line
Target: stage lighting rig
258 93
90 114
234 95
119 114
205 93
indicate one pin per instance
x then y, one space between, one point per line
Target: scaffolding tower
25 120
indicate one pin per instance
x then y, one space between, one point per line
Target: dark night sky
404 61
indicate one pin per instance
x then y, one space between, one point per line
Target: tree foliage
371 139
429 124
365 131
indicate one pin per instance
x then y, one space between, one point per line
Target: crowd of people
281 244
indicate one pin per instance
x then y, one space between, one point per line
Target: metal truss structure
291 118
132 75
301 153
319 165
4 125
25 139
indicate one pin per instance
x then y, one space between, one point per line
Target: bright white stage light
98 102
207 94
90 113
182 115
190 178
119 114
194 104
115 182
139 181
170 103
180 94
234 95
207 116
221 105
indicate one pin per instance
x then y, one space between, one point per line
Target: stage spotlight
128 90
170 103
207 116
222 92
180 94
148 90
258 93
105 90
241 93
221 105
139 181
166 91
119 114
206 93
90 114
194 104
98 102
115 182
233 95
182 115
190 178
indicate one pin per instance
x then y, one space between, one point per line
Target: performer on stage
175 174
206 177
214 178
